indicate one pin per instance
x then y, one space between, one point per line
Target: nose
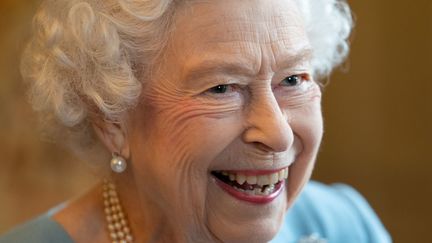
267 125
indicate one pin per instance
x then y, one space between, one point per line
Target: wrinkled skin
182 129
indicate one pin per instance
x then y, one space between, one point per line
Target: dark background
377 111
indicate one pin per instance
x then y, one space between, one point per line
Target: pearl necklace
118 225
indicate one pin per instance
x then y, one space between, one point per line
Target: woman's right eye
219 89
223 91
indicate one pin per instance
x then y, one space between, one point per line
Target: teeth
274 178
257 191
240 179
281 174
268 190
263 180
260 180
251 179
250 192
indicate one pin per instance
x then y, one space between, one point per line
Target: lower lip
251 198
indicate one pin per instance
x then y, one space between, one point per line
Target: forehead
251 31
253 19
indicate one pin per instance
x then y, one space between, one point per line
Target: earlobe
113 136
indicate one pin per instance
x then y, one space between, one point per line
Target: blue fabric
330 214
40 230
334 214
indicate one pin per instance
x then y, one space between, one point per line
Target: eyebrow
212 66
240 67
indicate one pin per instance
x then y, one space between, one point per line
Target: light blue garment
40 230
322 214
331 214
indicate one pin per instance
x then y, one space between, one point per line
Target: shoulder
40 230
335 213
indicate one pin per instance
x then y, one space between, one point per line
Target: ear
113 136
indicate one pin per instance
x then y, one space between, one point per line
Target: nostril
268 138
262 147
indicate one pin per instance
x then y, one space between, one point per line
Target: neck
147 220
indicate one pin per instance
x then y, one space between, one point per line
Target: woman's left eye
293 80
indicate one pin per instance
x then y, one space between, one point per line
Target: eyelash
298 79
221 89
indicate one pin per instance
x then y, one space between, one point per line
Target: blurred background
377 111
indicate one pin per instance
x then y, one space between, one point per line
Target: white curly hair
86 58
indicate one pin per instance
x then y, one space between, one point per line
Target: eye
223 91
292 80
219 89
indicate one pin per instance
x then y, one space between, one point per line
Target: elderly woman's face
232 100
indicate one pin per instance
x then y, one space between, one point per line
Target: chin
258 234
234 219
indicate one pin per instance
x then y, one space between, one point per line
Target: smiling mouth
252 186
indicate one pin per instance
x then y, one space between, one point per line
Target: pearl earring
118 163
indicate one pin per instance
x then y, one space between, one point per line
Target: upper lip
253 171
257 166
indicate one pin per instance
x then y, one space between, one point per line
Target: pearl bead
113 235
111 227
116 219
118 164
129 238
126 230
112 193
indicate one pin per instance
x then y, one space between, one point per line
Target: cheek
306 118
178 140
307 123
173 145
308 128
195 129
